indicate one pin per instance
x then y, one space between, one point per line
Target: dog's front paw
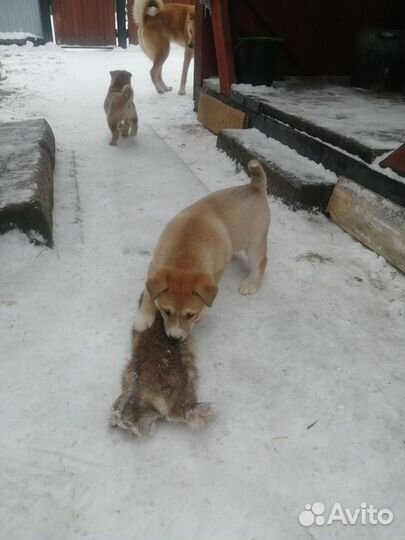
247 287
143 322
182 92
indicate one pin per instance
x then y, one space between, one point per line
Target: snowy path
321 342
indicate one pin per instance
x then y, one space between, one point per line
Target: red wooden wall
84 22
318 34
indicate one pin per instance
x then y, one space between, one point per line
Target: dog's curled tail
143 8
258 178
128 93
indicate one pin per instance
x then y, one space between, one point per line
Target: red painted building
318 35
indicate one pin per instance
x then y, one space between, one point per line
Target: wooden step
216 115
316 145
371 219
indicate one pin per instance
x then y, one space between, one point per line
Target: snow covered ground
307 375
18 35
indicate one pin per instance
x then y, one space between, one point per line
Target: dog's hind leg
164 86
188 55
156 71
133 128
125 128
114 132
257 257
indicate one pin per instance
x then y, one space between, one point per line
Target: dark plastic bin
256 60
379 60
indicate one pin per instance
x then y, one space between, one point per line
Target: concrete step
298 181
27 160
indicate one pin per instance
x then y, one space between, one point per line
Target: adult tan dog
194 249
119 106
158 25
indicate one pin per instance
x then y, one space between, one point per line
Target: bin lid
261 38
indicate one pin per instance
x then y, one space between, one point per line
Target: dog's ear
112 73
205 289
157 285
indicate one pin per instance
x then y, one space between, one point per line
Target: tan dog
195 247
158 25
119 106
160 381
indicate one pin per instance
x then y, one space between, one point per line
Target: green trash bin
379 59
256 60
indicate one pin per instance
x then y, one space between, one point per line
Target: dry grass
314 257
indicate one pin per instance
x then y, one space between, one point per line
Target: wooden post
198 46
132 26
223 44
121 24
44 7
204 54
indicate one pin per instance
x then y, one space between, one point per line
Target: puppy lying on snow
119 106
159 382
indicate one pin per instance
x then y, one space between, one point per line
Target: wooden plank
84 22
132 26
373 220
223 45
215 115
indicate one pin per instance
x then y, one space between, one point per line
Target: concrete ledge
27 160
298 181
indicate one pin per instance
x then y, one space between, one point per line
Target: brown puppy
158 25
119 106
195 247
159 382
